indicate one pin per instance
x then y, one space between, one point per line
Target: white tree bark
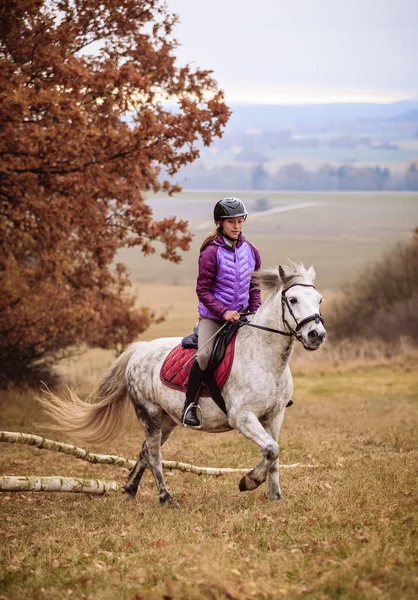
57 484
15 437
101 487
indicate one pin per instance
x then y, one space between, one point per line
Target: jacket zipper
236 278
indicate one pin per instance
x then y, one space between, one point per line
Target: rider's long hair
211 237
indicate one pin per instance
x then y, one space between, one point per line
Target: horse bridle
317 317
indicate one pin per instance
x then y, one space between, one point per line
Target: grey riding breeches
207 328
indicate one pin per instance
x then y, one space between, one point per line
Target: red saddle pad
179 356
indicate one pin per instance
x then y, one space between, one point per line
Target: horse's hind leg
157 432
155 462
135 474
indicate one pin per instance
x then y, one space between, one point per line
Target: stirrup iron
192 404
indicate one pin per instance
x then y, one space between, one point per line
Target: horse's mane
284 276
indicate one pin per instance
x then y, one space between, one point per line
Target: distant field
177 301
395 159
339 234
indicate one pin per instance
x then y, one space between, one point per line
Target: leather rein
293 332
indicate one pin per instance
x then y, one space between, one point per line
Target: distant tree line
296 177
267 142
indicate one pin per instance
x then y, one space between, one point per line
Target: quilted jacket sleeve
208 265
255 294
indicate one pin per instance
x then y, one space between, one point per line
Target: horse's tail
101 417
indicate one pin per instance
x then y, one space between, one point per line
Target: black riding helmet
229 208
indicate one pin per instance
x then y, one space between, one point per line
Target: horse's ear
285 273
312 273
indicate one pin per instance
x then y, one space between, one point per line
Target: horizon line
319 103
297 100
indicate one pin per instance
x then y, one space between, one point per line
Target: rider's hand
232 315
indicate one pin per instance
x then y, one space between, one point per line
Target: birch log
58 484
15 437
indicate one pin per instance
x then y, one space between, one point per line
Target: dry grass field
347 529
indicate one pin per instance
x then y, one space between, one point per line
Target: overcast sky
285 51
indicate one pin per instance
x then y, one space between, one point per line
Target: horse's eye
293 300
320 302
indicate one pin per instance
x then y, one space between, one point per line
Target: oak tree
93 108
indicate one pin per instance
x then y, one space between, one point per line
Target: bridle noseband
293 332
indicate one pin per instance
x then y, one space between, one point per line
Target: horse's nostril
313 334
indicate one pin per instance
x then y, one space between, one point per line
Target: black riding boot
189 415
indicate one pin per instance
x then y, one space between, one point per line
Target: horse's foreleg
273 481
249 425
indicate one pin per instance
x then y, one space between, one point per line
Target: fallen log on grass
93 486
16 437
58 484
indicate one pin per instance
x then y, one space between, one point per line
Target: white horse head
291 289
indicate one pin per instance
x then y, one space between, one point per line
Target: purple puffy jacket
224 279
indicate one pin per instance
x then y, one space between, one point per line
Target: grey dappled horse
256 391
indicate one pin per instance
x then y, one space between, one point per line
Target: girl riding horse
224 289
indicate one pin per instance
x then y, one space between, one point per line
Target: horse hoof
129 491
276 497
168 501
247 484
